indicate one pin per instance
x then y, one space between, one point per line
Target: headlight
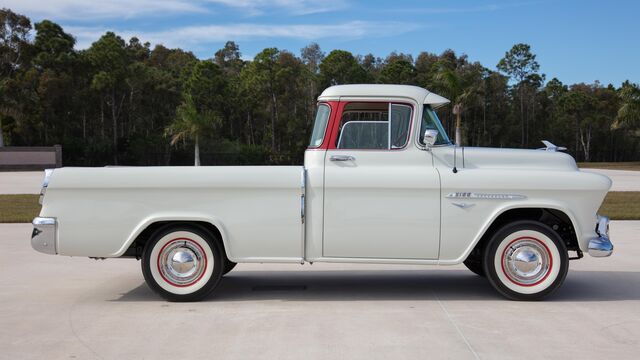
45 184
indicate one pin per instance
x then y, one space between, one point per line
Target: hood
499 158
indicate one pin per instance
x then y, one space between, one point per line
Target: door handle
342 158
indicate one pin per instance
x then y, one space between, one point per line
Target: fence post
58 149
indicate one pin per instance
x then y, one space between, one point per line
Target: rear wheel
183 263
526 260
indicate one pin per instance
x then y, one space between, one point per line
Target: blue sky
576 41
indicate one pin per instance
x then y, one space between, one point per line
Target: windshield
430 121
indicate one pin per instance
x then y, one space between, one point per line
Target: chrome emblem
485 196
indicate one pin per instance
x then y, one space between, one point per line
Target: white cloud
194 37
87 10
467 9
449 10
295 7
351 30
100 9
85 36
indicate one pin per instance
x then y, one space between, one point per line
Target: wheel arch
141 234
546 213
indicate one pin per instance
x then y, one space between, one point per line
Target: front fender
464 220
463 250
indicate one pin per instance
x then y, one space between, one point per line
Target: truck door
382 193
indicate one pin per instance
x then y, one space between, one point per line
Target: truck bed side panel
101 210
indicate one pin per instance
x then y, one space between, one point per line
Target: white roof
420 95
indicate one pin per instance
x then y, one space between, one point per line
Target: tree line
122 102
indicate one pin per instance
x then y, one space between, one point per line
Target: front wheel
183 263
526 260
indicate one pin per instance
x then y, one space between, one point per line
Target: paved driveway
54 307
21 182
623 180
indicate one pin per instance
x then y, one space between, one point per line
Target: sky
574 40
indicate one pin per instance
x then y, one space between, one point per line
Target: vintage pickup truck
381 183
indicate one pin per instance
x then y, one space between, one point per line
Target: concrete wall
14 158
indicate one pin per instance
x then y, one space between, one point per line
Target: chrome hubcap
182 262
526 261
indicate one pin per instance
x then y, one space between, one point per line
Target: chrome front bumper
43 237
601 246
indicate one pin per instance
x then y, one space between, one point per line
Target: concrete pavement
623 180
21 182
74 308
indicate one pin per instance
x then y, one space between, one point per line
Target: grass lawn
611 165
618 205
18 208
621 205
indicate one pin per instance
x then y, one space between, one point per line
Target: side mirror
430 137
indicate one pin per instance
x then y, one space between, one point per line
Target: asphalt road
54 307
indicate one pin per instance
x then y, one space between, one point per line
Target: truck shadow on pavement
389 285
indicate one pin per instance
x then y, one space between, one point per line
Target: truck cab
381 190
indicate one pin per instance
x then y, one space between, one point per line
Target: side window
400 123
320 125
380 126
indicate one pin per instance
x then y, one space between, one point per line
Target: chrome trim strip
43 236
463 205
303 205
389 126
484 196
45 184
43 221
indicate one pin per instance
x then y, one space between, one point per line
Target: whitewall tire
183 263
526 260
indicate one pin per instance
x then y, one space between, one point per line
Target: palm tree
191 124
461 87
629 111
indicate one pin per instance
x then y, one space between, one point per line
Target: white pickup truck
381 183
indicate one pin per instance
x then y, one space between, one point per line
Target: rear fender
177 217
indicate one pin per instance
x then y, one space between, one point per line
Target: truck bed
100 211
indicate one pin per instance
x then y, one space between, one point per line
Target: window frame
337 133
